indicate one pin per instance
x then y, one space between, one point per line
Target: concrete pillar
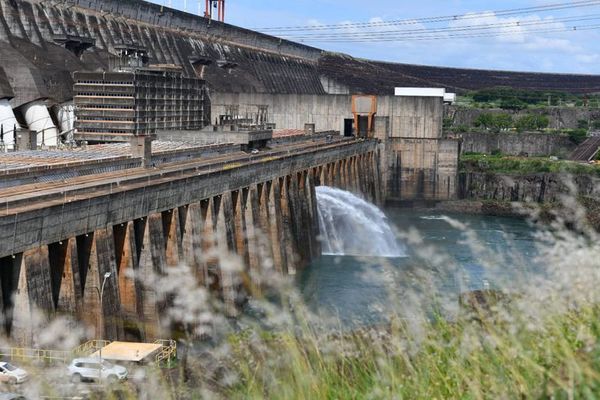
297 218
241 239
275 227
252 222
322 175
287 223
127 270
152 264
264 225
226 246
313 218
105 316
331 174
355 175
33 295
172 232
192 230
337 182
38 120
376 177
8 122
26 140
141 147
209 249
66 279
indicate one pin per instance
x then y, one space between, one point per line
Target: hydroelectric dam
135 138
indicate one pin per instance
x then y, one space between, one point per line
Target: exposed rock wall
540 188
517 143
559 118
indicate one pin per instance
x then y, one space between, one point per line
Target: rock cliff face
559 118
535 145
540 188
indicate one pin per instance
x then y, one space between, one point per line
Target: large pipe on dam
38 119
8 121
65 114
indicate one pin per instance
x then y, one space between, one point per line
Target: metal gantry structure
211 6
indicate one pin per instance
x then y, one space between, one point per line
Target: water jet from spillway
352 226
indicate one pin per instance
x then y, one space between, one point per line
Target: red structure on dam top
218 5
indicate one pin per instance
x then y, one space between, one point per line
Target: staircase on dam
587 150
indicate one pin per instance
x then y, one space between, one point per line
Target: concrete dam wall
138 223
418 162
39 41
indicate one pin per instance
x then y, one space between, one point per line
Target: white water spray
351 226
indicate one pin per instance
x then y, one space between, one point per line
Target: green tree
503 121
484 120
531 122
513 104
577 136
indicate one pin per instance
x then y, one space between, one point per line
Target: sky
516 49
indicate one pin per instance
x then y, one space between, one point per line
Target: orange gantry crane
219 6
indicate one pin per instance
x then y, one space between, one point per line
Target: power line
427 20
460 35
411 32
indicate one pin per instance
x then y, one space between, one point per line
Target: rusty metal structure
364 108
219 6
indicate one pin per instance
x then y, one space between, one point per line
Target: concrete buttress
33 303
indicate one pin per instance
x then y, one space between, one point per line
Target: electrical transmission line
420 32
430 20
508 32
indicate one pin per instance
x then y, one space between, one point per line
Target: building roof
128 351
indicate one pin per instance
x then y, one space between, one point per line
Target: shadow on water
496 252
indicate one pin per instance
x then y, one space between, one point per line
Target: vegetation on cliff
509 98
524 165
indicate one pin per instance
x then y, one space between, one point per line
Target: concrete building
113 106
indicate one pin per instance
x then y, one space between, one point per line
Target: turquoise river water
494 252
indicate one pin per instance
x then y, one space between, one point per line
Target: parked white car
11 374
94 369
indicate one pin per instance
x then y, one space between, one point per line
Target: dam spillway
351 226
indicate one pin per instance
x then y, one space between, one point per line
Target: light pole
101 295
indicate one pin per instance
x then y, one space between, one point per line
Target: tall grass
538 340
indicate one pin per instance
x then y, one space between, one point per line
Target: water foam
351 226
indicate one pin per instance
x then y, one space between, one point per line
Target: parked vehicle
11 396
94 369
11 374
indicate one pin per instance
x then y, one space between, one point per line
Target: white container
419 92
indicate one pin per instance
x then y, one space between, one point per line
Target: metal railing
90 347
22 353
167 353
